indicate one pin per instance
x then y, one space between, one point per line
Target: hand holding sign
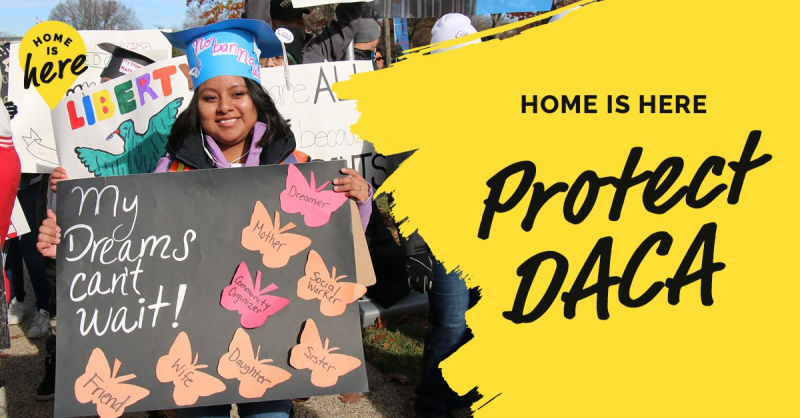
53 56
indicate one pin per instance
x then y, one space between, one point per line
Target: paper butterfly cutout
249 299
102 387
311 354
334 295
315 204
178 368
270 239
255 377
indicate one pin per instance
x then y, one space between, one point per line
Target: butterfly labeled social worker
255 375
249 299
333 294
101 386
270 239
315 204
178 368
311 354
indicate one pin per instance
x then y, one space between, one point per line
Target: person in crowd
9 179
448 295
231 122
366 39
24 248
279 13
330 45
379 60
292 39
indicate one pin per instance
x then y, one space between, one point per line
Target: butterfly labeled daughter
249 299
255 375
315 204
318 283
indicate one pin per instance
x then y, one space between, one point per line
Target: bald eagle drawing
141 152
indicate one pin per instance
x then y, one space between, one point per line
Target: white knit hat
452 26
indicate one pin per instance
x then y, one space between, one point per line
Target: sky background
17 16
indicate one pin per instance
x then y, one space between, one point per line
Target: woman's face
227 113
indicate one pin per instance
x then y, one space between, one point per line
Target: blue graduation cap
230 47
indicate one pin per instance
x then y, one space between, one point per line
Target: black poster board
153 256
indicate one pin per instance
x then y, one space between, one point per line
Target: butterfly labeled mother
270 239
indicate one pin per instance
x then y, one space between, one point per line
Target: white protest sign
34 139
320 121
19 223
121 126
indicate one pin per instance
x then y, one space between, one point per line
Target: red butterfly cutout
102 387
255 377
334 295
315 204
249 299
311 354
178 368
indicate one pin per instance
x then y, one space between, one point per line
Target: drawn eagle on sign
141 152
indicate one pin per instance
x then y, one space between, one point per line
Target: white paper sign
19 223
320 121
121 126
33 131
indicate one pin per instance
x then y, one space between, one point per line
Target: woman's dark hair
188 122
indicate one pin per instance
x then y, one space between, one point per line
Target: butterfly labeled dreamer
315 204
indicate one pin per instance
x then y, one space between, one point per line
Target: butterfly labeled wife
178 368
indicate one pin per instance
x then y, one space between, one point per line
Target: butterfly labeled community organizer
311 354
178 368
255 375
101 386
249 299
333 294
270 239
315 204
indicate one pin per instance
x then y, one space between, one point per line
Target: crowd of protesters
239 125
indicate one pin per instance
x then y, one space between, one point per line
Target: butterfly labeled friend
318 283
311 354
270 239
178 368
255 375
102 387
249 299
316 205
